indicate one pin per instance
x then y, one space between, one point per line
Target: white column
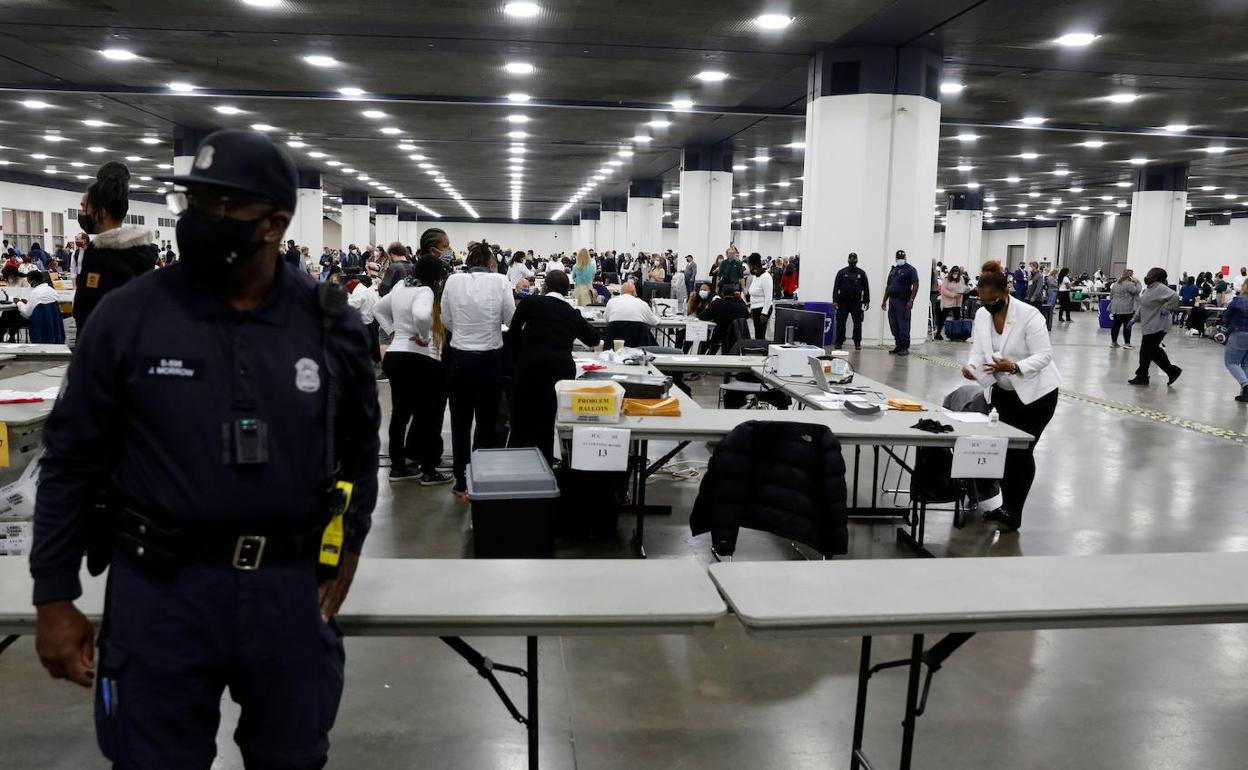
307 228
790 241
613 227
705 227
356 229
645 224
588 231
964 232
869 175
409 229
387 224
1157 211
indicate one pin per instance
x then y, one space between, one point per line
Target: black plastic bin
514 498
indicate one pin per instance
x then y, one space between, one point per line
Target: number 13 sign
600 449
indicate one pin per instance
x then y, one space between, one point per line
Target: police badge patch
307 375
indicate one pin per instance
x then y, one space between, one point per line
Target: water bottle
993 417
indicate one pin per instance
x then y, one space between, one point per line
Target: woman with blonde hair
583 279
411 310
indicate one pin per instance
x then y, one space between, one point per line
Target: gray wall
1089 243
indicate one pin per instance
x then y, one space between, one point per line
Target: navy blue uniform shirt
161 367
900 279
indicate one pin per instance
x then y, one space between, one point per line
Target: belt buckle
248 552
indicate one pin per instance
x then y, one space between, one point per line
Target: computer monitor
807 326
652 289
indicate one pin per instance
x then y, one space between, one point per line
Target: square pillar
356 228
387 224
307 227
1158 208
705 203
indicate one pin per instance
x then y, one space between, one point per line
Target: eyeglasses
209 204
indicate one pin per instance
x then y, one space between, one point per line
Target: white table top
20 415
35 352
894 423
921 596
23 292
705 364
486 597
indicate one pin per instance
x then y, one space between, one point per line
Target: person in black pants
1152 319
1020 464
851 293
1063 295
541 335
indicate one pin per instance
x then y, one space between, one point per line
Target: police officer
850 295
210 431
899 294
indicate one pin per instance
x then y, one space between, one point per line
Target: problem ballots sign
586 402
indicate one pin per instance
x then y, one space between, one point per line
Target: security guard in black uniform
228 409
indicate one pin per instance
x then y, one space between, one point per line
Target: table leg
7 641
875 476
531 665
912 702
857 457
860 709
639 498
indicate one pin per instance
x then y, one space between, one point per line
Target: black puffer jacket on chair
785 478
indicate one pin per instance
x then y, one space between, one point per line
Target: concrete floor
1109 481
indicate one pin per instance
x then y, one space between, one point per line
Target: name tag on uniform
173 368
93 280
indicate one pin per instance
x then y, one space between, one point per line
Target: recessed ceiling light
1076 39
682 104
133 159
1121 204
118 54
1061 172
773 21
951 87
54 138
1122 184
164 166
374 114
348 170
97 149
262 3
517 97
35 104
262 127
318 60
92 122
1216 149
517 118
1075 189
739 167
963 167
1094 144
711 76
316 154
972 185
1012 180
626 153
1107 197
333 163
181 87
761 158
39 156
639 139
1085 208
1122 98
516 135
391 130
1033 194
522 10
967 137
1208 188
1032 120
516 150
1139 161
227 109
1029 155
351 91
1230 196
1175 128
518 68
363 177
295 143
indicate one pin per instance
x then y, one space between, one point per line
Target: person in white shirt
629 307
413 364
75 258
364 298
1012 358
41 293
761 295
519 271
475 306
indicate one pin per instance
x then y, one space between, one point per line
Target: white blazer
1025 341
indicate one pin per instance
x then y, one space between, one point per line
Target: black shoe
434 479
402 474
938 338
1008 522
1243 395
1138 381
903 352
857 346
893 352
1175 373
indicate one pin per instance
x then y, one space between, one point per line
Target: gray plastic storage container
514 495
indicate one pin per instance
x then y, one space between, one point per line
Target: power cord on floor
686 471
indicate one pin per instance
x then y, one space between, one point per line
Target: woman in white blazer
1012 358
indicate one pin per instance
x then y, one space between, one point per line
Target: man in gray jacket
1152 318
1035 286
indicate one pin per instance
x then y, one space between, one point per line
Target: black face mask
86 223
210 247
995 307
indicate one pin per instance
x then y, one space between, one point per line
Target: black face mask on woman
86 223
995 307
216 247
